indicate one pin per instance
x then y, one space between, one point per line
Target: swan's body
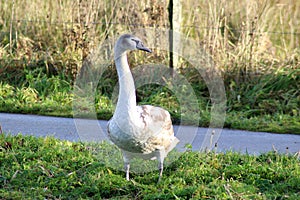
139 131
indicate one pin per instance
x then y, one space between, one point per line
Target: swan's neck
126 104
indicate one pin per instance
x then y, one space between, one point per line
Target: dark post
171 35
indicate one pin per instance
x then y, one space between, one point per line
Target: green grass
48 168
262 105
28 100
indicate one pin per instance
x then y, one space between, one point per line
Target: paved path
94 130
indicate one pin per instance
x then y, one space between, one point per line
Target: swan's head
130 42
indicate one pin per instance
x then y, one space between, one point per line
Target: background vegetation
255 44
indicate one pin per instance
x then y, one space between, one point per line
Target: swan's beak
140 46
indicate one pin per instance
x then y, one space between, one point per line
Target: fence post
174 37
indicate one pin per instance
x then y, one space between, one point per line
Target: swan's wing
157 123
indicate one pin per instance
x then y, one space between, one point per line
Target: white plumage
139 131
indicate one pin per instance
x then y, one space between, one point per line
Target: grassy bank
54 96
253 44
47 168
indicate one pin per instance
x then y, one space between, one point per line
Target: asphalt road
200 138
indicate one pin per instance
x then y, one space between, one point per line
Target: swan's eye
136 41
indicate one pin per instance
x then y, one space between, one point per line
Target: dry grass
239 34
242 35
63 33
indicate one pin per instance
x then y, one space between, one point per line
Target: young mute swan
139 131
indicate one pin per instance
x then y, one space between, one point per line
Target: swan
139 131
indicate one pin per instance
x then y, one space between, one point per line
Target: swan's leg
160 158
126 159
126 167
